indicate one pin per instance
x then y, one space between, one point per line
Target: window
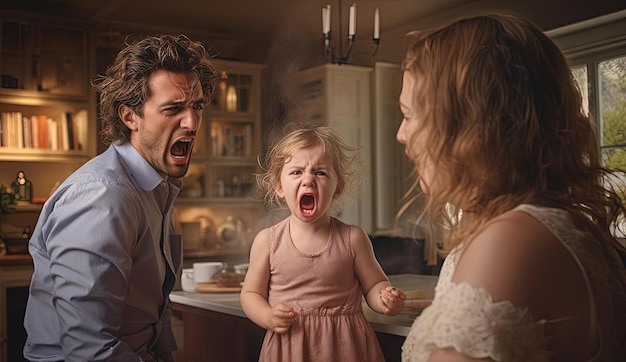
596 51
610 88
612 111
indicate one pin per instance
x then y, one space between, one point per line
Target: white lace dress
466 318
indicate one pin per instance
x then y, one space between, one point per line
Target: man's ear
128 117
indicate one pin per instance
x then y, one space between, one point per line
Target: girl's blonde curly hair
298 136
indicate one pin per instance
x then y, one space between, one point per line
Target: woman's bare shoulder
516 258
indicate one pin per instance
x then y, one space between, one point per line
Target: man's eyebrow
181 102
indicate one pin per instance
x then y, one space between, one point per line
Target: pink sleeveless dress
324 289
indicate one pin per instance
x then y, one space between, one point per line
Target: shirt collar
145 175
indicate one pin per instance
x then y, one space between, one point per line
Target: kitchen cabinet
46 113
339 96
44 57
15 274
213 336
391 166
217 208
362 104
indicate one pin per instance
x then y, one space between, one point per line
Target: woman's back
544 288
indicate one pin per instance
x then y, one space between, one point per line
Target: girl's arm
380 295
255 290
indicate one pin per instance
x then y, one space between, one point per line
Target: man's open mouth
180 149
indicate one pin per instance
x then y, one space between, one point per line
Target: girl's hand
283 317
393 300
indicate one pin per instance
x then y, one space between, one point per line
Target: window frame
588 43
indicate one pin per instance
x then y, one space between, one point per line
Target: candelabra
329 51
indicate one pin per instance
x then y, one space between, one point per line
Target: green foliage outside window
614 124
613 76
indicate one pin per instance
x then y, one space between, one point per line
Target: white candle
352 24
326 19
376 24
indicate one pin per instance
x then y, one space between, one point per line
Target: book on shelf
66 131
34 126
26 133
81 130
44 142
53 133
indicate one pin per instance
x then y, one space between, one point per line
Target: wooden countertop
228 303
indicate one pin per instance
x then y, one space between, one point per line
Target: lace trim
466 318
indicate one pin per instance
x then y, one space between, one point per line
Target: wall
547 14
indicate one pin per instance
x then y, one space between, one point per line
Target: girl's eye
320 173
296 173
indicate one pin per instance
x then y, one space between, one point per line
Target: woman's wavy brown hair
503 120
125 82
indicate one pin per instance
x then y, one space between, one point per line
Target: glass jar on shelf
232 93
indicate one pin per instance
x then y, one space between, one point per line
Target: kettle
230 231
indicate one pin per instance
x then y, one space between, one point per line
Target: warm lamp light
231 98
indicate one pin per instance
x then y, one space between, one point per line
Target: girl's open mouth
307 204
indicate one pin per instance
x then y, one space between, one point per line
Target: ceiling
266 30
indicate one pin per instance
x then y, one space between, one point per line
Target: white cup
241 268
203 272
187 281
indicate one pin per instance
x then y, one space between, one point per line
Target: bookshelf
46 112
32 130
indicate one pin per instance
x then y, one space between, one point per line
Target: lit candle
326 19
352 24
376 24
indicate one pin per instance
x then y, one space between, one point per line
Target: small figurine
22 188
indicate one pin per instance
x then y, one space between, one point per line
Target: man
104 250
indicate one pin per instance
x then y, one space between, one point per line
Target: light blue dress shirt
106 258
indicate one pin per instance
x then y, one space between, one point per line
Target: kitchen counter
216 329
228 303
